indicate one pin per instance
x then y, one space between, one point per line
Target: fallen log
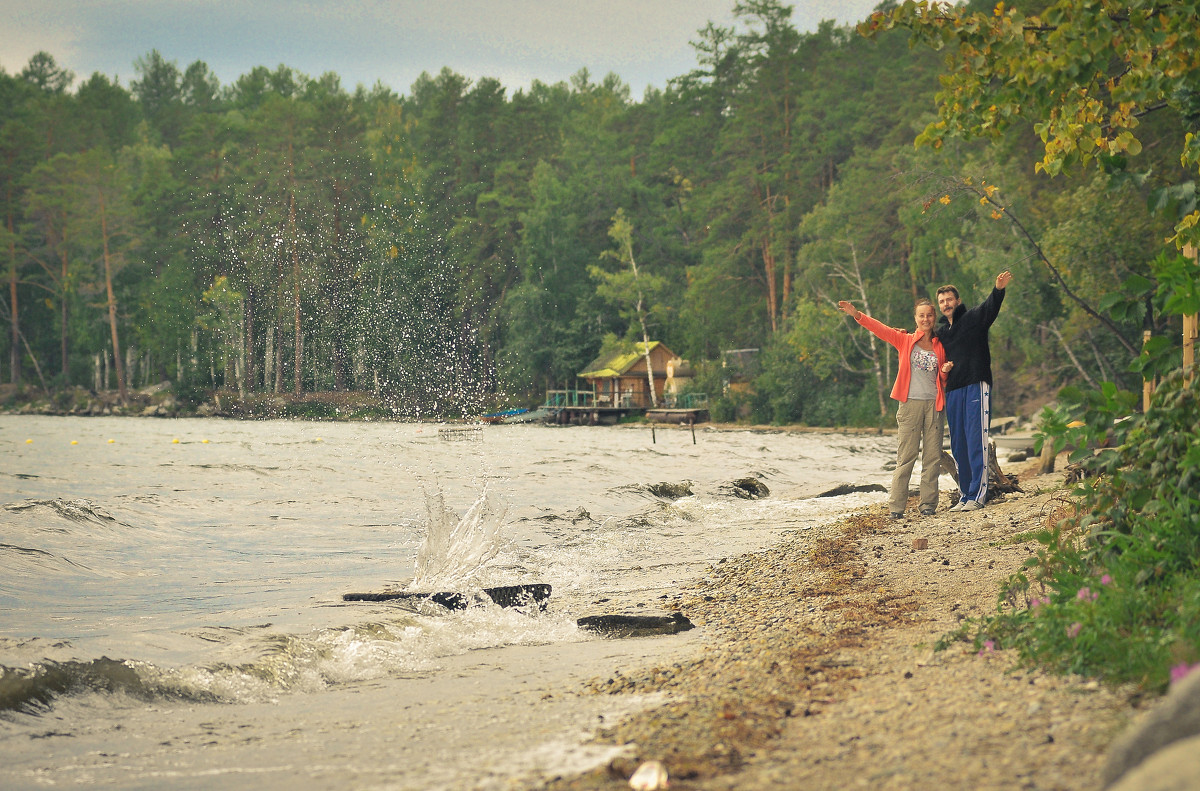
635 625
504 596
850 488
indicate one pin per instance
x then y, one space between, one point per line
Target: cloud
393 41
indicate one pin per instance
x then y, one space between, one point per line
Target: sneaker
928 511
971 505
897 514
957 506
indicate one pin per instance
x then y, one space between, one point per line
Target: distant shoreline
340 406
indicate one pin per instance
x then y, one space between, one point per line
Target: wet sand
818 668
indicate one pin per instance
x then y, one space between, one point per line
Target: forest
463 246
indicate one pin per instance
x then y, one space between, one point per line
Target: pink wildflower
1074 629
1106 579
1087 594
1180 671
1040 601
988 647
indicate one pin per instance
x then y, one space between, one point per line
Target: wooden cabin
620 380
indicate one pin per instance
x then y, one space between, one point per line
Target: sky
644 42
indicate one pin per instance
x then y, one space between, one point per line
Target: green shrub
1114 590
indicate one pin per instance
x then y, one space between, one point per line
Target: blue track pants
968 411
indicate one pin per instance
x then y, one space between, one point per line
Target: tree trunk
298 346
641 314
269 360
248 351
279 361
339 356
14 348
112 304
63 334
785 297
881 379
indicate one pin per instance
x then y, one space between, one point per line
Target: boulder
617 625
1176 718
671 491
1172 768
156 388
748 488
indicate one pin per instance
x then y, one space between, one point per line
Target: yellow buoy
111 441
204 441
175 441
74 442
28 442
319 439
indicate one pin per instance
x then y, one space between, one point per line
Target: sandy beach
817 668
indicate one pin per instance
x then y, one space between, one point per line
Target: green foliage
1084 419
1084 85
447 248
1114 591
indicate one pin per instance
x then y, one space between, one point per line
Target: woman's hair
923 301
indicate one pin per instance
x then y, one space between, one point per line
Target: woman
922 396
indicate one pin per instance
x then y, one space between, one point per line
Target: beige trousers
920 427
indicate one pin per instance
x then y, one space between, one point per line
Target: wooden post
1189 327
1148 384
1046 461
1189 344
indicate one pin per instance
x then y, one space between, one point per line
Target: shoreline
144 408
818 669
334 406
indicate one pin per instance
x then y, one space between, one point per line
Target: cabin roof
616 365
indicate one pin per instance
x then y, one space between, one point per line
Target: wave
455 550
401 643
80 511
18 559
61 535
33 690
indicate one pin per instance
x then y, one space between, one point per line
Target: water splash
454 550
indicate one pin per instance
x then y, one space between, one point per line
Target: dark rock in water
635 625
671 491
504 596
851 488
580 514
746 488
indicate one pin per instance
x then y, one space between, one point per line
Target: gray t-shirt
922 385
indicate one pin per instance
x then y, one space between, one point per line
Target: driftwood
998 482
850 488
949 466
635 625
504 596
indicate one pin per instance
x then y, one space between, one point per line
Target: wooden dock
685 416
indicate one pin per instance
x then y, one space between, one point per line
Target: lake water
171 604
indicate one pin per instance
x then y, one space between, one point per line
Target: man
964 335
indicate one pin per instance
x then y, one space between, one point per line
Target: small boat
520 415
507 416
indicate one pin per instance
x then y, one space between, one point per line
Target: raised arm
879 329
